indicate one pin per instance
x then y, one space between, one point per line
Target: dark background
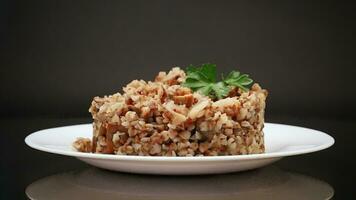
57 55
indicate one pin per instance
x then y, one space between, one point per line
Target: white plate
280 141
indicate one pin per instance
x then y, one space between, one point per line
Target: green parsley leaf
238 80
206 89
203 79
220 90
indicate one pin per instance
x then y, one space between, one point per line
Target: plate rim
331 141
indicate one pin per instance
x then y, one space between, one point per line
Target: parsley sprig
203 79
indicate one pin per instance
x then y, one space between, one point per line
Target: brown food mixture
163 118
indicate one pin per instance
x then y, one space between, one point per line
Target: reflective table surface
266 183
30 174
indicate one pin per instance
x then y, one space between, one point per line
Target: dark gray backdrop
57 55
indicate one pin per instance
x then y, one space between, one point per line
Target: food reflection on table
266 183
